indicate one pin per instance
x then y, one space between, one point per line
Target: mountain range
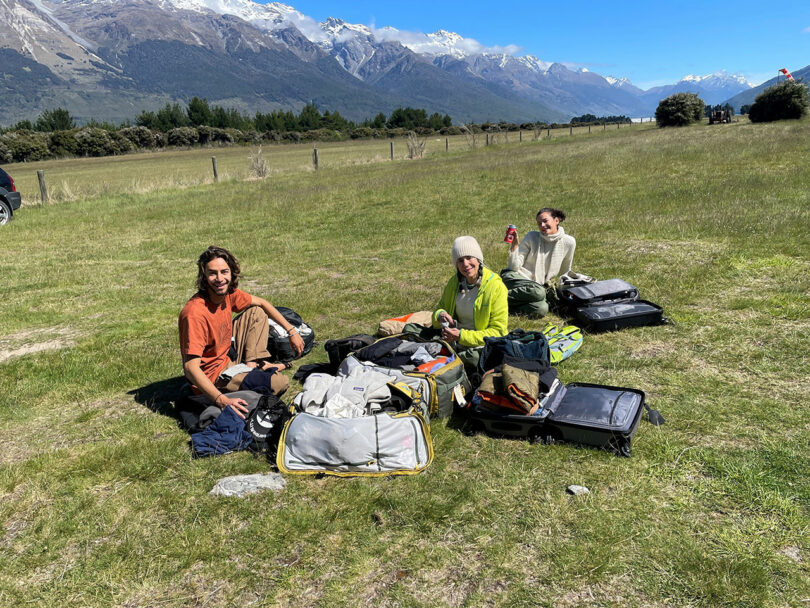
110 59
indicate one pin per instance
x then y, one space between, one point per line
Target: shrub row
26 145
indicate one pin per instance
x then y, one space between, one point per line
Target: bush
182 136
5 153
213 135
26 145
679 110
93 141
451 131
63 143
141 137
786 100
362 133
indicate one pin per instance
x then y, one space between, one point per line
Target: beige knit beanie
467 245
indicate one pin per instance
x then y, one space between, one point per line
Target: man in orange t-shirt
206 326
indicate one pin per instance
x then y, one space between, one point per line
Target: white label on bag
458 393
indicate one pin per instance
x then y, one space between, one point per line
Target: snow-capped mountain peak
719 78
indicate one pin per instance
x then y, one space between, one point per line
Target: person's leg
531 309
523 295
250 332
469 357
278 383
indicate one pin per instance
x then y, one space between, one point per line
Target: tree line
54 133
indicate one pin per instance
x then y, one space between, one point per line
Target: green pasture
101 503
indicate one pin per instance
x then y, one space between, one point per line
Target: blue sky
648 42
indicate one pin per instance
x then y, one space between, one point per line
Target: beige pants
250 333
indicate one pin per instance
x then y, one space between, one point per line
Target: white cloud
806 30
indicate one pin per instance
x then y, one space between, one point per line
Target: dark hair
210 254
555 213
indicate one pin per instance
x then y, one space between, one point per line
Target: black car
9 198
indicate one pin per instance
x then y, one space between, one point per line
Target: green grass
101 503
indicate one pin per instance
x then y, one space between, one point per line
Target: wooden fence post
589 129
571 130
487 138
548 132
43 189
446 144
315 158
392 150
214 165
604 126
520 136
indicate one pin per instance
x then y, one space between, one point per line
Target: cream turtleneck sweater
542 258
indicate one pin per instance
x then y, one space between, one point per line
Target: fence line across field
490 138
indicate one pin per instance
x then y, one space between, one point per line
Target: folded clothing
226 434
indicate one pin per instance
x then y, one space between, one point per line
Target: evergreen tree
54 120
198 112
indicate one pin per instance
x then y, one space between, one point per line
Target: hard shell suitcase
596 292
589 414
596 415
610 316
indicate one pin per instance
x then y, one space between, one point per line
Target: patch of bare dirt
36 340
793 553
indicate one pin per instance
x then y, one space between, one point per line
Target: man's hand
297 344
239 405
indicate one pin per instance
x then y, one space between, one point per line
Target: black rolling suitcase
609 305
589 414
617 315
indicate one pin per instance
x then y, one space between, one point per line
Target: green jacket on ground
491 311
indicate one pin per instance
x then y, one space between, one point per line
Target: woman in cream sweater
534 262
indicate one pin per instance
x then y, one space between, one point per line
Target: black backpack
279 346
341 348
518 344
264 423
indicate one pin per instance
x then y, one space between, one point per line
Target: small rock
577 490
242 485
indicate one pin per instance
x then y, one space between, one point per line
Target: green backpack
562 342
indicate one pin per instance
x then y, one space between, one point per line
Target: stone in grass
242 485
577 490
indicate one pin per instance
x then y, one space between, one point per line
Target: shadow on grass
160 396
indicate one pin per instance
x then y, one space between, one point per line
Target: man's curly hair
213 253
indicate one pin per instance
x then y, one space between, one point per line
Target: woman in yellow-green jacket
474 303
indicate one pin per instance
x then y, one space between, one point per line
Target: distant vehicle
10 199
719 116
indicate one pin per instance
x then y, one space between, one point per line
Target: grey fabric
418 384
233 370
408 348
371 444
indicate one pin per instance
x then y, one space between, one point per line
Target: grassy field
101 503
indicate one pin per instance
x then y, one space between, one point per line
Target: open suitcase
589 414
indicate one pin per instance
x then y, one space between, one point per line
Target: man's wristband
292 330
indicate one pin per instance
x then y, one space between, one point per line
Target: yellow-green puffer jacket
491 311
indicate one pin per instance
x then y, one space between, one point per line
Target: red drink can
511 231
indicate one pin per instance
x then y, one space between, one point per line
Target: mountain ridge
271 56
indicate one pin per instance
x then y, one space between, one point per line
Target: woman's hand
515 241
450 334
446 318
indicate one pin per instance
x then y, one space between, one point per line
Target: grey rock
242 485
577 490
